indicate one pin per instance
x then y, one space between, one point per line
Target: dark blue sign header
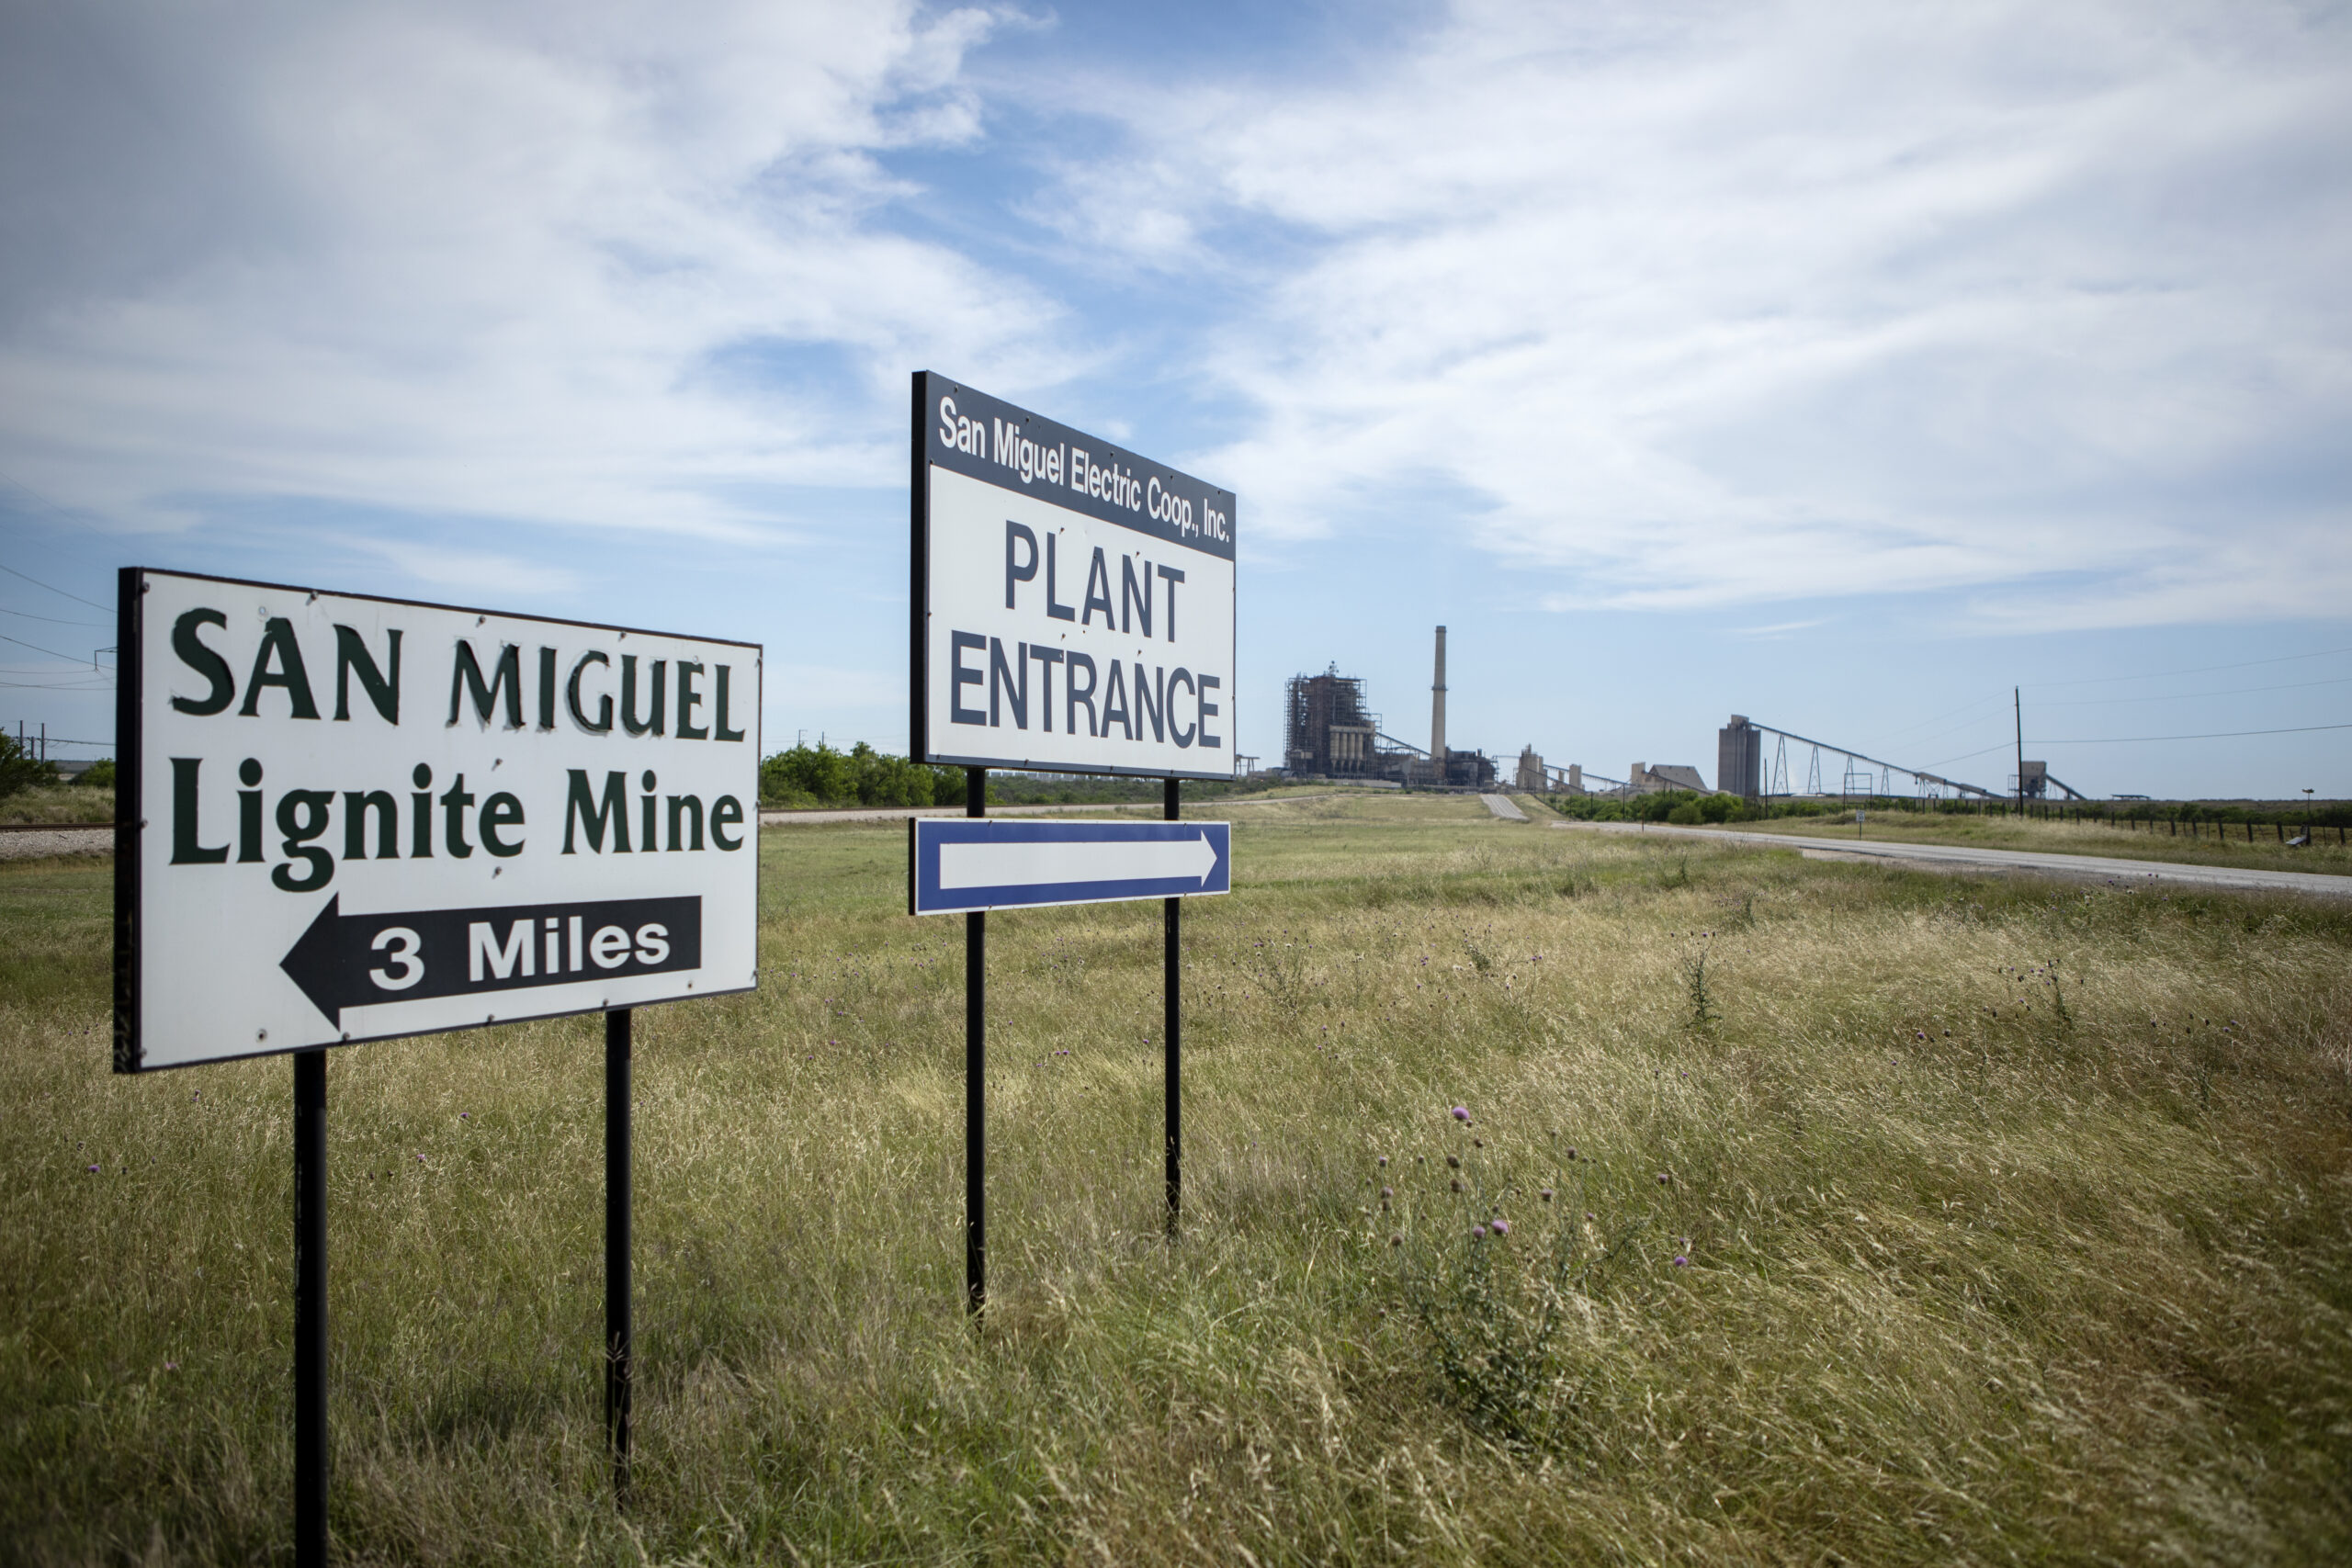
998 444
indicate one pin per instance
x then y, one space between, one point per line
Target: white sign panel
350 818
1074 603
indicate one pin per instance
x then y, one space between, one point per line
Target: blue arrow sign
961 863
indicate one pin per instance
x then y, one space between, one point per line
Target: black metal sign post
618 1362
311 1309
1174 1024
976 1062
1023 531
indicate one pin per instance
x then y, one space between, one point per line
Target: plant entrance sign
1073 611
346 819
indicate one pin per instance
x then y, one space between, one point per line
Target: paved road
900 813
1504 807
1958 857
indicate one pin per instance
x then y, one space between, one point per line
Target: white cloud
1711 305
480 573
1659 306
485 261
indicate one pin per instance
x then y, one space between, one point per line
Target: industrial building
1643 778
1331 732
1739 758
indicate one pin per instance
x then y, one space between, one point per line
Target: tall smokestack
1437 710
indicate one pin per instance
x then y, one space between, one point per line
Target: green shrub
99 774
19 771
819 775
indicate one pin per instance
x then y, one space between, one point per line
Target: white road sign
963 866
1074 603
348 819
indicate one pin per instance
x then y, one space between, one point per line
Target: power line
2191 697
2136 739
1941 717
1958 728
2201 670
52 620
37 583
20 642
2218 735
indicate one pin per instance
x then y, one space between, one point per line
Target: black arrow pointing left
411 955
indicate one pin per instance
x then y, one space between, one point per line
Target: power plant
1331 732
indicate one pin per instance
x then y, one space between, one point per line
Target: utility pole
2017 699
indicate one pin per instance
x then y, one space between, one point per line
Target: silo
1739 758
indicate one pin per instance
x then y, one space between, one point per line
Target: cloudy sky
1843 365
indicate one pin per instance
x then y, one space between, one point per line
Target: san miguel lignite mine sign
351 819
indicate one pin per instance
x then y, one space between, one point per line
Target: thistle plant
1495 1293
1694 980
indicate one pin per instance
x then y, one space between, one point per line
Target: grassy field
59 803
1853 1215
2073 839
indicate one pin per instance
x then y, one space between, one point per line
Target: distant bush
819 775
1688 807
99 774
18 769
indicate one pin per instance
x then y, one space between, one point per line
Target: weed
1694 981
1494 1296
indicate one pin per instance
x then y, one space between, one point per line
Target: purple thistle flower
1547 1195
1388 1192
1663 1178
94 1167
1680 1261
1500 1227
1478 1233
1383 1162
171 1366
1461 1113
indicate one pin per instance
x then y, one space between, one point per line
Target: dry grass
2044 1286
59 803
